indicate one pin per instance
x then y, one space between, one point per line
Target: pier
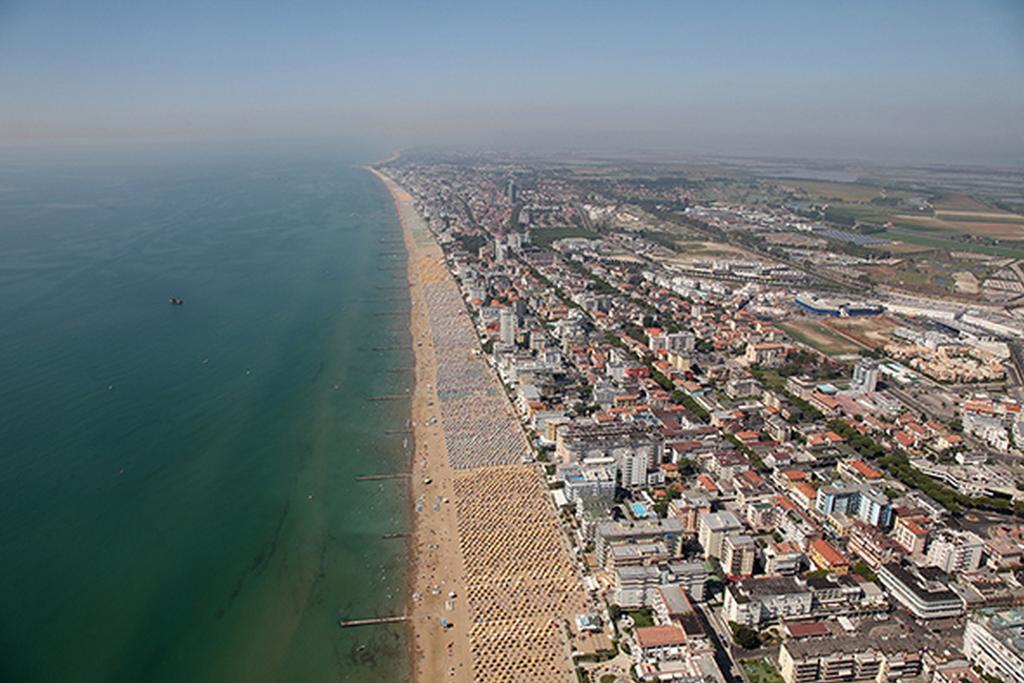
398 535
349 623
388 397
398 431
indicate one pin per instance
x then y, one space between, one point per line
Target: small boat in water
175 301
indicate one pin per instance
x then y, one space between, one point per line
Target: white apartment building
955 551
992 641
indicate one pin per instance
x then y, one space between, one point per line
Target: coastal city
712 427
494 342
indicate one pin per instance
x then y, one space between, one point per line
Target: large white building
923 591
865 376
634 447
994 642
955 551
752 602
591 478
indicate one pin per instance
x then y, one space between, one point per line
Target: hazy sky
899 79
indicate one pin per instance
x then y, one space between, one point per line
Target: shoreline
488 554
435 568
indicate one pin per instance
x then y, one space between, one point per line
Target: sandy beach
488 555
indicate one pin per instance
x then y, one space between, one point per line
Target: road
718 632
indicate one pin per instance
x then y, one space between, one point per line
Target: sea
178 493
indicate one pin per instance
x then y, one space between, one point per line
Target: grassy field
812 333
544 237
761 671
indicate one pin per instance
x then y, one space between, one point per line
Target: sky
936 81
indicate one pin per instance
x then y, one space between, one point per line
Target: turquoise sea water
177 500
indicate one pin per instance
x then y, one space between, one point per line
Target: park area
761 671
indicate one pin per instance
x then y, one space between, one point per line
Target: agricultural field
926 236
843 192
959 202
984 224
943 221
813 333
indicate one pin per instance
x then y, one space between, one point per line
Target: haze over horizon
909 81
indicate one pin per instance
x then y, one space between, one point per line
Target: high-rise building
738 554
955 552
714 527
513 191
507 331
859 501
865 376
500 250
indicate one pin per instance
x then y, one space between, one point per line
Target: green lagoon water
177 499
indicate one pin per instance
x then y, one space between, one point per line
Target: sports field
812 333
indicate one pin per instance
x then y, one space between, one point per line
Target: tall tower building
865 376
507 320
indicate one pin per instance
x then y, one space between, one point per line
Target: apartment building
752 602
738 554
850 658
714 527
955 552
994 642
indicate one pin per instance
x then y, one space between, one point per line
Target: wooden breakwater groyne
395 535
349 623
380 477
388 397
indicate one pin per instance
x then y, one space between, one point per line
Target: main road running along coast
488 556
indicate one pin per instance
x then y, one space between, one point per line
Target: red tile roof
660 636
806 629
865 470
